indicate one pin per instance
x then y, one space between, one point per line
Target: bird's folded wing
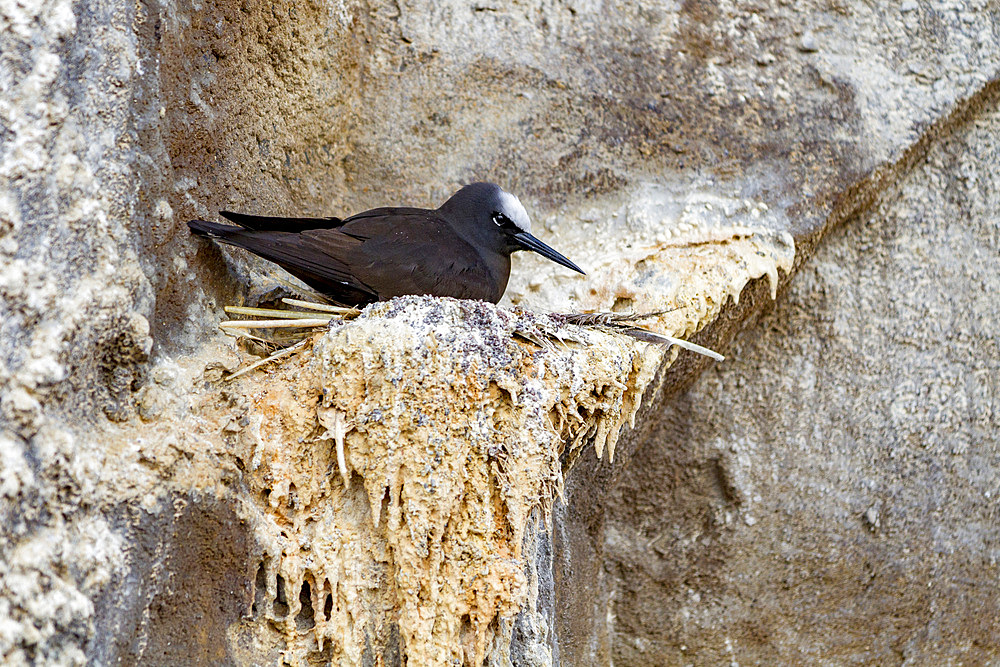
321 257
414 252
378 220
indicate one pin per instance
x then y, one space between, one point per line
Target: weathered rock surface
674 150
830 492
409 516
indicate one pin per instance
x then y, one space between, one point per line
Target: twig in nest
275 324
619 323
288 351
323 307
291 329
611 319
274 312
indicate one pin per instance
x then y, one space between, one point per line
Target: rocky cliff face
438 481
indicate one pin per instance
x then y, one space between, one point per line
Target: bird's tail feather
212 230
269 223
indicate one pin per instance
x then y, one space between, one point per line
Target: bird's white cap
511 207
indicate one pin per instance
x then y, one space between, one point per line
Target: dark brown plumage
461 249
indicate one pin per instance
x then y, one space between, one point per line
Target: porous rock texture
862 532
419 530
438 481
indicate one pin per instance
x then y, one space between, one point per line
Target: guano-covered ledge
398 474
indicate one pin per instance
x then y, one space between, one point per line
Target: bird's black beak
529 242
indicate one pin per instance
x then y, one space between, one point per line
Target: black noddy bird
461 249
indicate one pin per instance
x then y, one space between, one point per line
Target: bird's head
493 216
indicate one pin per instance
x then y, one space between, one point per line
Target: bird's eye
503 222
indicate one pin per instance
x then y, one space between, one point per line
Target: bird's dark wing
378 220
377 255
267 223
413 251
322 259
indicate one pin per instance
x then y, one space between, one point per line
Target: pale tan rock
667 147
